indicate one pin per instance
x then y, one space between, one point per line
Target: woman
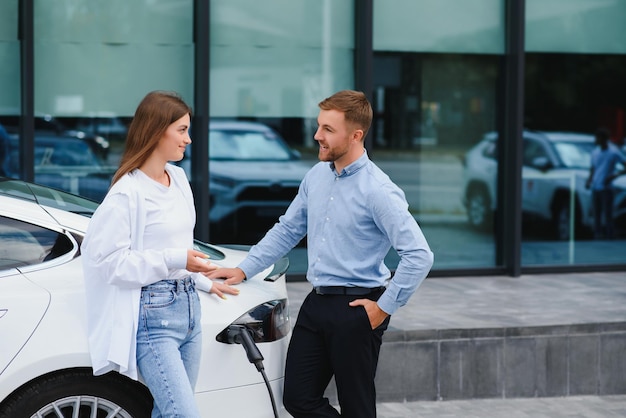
140 269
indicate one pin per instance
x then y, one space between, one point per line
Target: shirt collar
352 167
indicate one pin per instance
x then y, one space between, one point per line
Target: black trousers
331 338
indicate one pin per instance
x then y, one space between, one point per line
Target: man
604 159
352 214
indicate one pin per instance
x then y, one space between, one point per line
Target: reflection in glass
431 109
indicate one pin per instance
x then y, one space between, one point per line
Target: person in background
4 149
604 159
141 272
352 214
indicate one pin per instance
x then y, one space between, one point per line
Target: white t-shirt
168 222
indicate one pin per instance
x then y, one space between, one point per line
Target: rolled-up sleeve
416 258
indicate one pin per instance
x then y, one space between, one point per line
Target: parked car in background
253 176
108 126
555 168
45 368
64 162
51 125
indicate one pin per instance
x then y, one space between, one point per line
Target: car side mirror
542 163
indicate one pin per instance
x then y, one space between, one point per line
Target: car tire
479 213
78 393
561 218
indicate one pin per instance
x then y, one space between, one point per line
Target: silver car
555 169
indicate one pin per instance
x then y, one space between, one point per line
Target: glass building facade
484 111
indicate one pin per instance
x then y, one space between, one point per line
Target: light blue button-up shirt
351 220
603 162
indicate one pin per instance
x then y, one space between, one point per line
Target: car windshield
47 196
246 145
575 154
64 153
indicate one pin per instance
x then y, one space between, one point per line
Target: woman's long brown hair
156 112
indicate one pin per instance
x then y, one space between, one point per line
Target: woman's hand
221 288
198 262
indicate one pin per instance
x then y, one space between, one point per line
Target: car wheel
77 393
561 219
561 222
479 208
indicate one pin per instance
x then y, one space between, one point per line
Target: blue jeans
169 345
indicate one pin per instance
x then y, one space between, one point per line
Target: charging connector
239 334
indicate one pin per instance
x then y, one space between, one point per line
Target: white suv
555 168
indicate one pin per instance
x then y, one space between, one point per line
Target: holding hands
230 275
198 262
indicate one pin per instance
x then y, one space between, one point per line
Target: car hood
260 170
620 182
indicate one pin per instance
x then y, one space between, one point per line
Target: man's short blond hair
354 105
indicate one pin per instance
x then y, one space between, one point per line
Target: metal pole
27 118
200 122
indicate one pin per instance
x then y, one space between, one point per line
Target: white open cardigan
116 267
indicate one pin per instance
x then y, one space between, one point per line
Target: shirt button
332 198
327 219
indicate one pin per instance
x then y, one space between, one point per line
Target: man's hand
231 275
198 262
374 313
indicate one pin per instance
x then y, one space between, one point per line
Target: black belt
344 290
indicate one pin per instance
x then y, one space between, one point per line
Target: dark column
510 144
27 91
200 122
363 52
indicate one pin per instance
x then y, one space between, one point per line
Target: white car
45 368
555 169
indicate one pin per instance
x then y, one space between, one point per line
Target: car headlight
266 322
102 141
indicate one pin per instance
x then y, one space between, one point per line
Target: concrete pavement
588 309
560 407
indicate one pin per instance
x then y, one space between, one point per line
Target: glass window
443 26
9 78
436 77
574 84
578 27
23 244
271 64
243 145
10 59
278 59
94 62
